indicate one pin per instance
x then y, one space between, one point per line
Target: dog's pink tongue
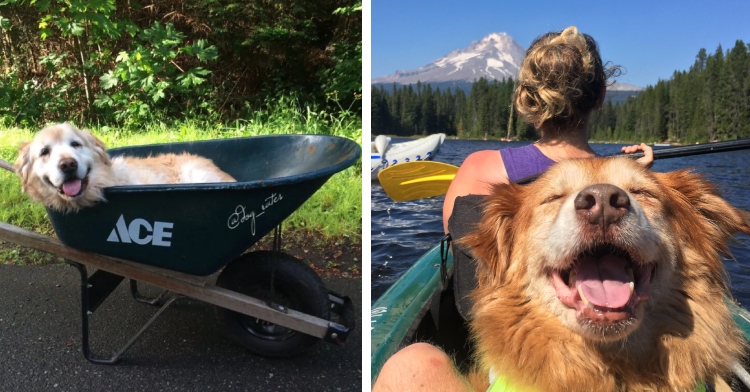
72 187
604 281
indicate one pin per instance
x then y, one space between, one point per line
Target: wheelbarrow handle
7 166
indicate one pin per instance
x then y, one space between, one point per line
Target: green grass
334 211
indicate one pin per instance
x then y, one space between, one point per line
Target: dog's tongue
604 282
72 187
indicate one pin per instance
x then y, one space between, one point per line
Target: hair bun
566 36
561 79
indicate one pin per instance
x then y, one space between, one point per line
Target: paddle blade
416 180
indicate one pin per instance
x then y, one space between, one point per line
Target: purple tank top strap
524 161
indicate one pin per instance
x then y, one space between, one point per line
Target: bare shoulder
483 168
477 174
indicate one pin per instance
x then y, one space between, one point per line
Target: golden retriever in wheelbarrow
604 276
66 168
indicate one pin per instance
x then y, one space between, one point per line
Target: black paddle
675 152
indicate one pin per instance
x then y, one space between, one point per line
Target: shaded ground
341 257
185 350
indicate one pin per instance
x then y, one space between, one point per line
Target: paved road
185 350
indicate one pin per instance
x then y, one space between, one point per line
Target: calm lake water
402 232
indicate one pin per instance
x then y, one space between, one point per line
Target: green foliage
149 74
345 77
105 61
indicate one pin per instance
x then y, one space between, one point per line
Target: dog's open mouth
73 187
603 284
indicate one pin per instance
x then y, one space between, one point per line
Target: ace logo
141 232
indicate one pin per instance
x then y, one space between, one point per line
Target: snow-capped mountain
496 56
616 86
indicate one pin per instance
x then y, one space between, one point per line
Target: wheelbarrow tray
198 228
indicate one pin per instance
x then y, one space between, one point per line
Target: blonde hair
561 80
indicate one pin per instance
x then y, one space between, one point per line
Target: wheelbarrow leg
146 300
271 302
343 307
94 290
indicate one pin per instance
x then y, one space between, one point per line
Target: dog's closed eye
75 144
552 198
642 192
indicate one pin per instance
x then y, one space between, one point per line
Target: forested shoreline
709 101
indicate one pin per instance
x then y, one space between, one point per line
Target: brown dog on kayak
66 168
604 276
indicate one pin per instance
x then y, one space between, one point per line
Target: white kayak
385 154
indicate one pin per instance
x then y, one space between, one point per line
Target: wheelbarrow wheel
297 287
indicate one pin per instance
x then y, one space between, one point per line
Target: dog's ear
491 243
721 220
23 164
97 146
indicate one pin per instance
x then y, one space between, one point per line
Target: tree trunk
86 82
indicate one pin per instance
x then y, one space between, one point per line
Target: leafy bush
149 74
105 61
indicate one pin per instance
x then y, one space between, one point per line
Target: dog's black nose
602 204
68 165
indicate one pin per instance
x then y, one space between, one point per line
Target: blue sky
651 39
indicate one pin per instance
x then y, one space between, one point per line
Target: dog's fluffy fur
666 230
66 168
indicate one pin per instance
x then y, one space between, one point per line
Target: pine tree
734 114
380 115
710 94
